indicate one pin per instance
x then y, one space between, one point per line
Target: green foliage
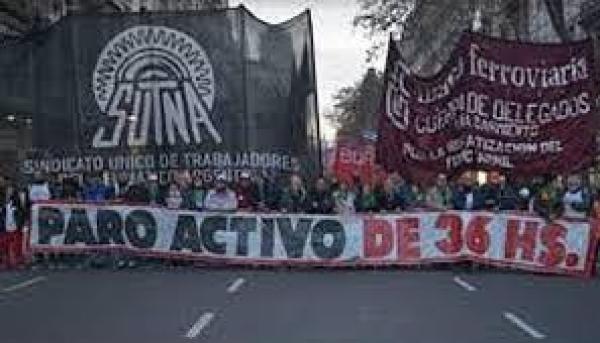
379 18
356 106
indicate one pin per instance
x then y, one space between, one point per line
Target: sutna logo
154 77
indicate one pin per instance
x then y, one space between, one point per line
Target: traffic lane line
554 303
236 285
200 325
120 301
464 284
521 324
354 306
24 284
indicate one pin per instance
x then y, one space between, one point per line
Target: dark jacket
270 193
138 193
387 201
96 193
459 199
22 208
70 189
405 197
320 202
507 198
293 201
247 197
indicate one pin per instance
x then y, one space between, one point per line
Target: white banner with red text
501 239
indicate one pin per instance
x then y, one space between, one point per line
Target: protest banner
501 239
355 158
516 107
208 92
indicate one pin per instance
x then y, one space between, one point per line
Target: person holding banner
405 193
3 203
366 199
39 190
320 201
344 199
439 196
467 196
198 194
388 201
576 200
294 197
221 197
174 198
247 193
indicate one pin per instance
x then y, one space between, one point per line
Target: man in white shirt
576 200
39 190
221 198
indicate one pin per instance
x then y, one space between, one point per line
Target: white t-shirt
469 201
39 192
571 198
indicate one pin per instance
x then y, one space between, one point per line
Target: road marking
200 325
523 326
24 284
462 283
235 286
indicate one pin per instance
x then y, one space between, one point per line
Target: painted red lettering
453 242
379 238
408 239
478 238
552 238
517 240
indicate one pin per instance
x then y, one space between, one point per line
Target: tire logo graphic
158 87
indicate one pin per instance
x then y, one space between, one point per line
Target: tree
380 17
356 106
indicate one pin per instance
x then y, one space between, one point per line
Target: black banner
125 92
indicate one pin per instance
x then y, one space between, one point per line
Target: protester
270 191
320 199
247 193
489 192
366 199
595 210
546 201
405 195
467 196
439 196
576 200
507 197
20 207
96 191
294 196
71 190
343 199
174 198
3 203
221 198
39 190
198 193
137 193
388 201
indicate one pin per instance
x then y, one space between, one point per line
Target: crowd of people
548 197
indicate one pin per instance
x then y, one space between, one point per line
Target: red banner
496 105
12 249
355 157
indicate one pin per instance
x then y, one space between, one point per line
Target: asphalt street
242 305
